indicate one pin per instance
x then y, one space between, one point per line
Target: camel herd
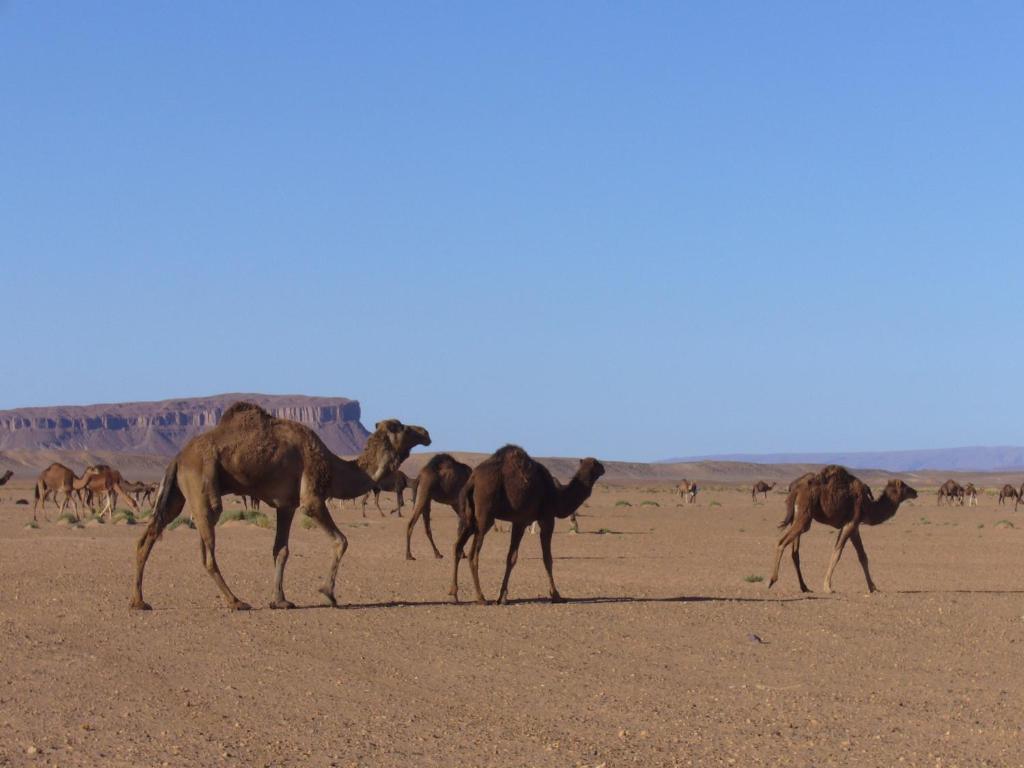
261 458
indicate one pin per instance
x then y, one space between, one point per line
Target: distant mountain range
970 459
162 428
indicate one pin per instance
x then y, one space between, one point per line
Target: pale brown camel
761 487
280 462
835 497
951 491
440 480
141 492
54 479
397 482
513 487
971 493
1008 492
687 491
103 479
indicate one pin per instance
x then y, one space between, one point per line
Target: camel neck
349 479
882 509
572 496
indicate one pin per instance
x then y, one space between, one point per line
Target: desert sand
664 654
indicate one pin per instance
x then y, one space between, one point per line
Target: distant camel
141 492
281 462
971 493
6 476
950 490
250 501
396 482
761 487
440 480
513 487
54 479
835 497
1008 492
103 479
687 491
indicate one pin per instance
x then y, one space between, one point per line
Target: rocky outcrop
164 427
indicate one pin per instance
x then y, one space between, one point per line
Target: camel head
898 491
389 446
590 471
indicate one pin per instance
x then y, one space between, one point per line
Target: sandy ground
665 654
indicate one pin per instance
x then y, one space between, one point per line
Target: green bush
649 503
180 521
753 579
622 503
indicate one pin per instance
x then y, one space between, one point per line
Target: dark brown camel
440 480
835 497
396 483
1008 492
6 476
971 494
280 462
513 487
761 487
951 491
687 491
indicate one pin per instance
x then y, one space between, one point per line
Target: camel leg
131 502
791 535
206 516
40 500
574 524
844 533
863 557
547 529
400 503
420 507
430 534
518 529
284 526
365 499
482 527
145 546
465 531
317 509
795 552
376 501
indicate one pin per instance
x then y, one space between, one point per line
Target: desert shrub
308 522
180 521
124 516
715 504
752 579
649 503
622 503
1005 524
31 524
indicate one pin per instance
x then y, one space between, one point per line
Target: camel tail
167 495
36 492
790 511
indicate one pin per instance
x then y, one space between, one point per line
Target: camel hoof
557 598
140 605
482 601
282 604
329 595
807 590
409 557
240 605
438 556
503 600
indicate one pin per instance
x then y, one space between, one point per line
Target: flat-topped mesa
164 427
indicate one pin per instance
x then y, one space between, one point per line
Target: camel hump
243 408
439 460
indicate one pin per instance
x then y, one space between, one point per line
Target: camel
141 492
56 478
280 462
971 493
687 491
1008 492
761 487
103 479
440 480
396 482
803 478
835 497
6 476
512 486
250 501
950 490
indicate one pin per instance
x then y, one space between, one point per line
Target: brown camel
440 480
397 482
141 492
761 487
1008 492
250 502
971 494
513 487
280 462
803 478
6 476
54 479
835 497
105 480
950 490
687 491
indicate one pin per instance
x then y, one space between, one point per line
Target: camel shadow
953 591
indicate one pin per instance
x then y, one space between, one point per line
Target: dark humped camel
1008 492
835 497
513 487
397 483
951 491
971 494
280 462
761 487
441 480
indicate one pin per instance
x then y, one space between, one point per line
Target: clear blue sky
630 230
